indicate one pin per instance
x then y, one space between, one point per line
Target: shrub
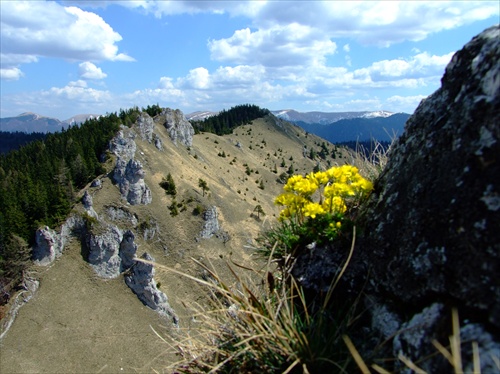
173 208
198 209
168 185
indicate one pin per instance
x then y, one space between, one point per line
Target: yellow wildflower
312 209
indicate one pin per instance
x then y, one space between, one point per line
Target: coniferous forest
39 182
224 122
10 141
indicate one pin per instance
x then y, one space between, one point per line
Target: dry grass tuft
453 355
371 162
261 322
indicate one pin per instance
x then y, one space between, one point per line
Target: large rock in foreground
431 230
434 219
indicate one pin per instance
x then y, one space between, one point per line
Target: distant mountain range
360 128
31 122
325 118
336 127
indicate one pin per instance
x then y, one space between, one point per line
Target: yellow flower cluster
334 187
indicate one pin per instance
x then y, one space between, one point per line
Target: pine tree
203 185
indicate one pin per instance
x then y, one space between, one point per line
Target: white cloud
406 104
10 74
287 45
77 92
421 65
198 78
78 83
88 70
238 76
32 29
381 23
249 8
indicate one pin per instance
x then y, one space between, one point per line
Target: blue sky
64 58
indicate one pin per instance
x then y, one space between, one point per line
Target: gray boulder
435 211
178 127
123 144
96 183
128 249
158 142
87 203
145 126
211 224
141 282
130 179
431 237
104 247
49 244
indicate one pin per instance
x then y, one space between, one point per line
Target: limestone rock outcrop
141 282
211 224
178 127
87 203
430 238
128 172
128 249
103 246
130 179
123 144
435 212
121 214
49 244
145 126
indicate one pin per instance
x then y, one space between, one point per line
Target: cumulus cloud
10 73
286 45
77 92
32 29
421 65
401 103
198 78
249 8
376 22
88 70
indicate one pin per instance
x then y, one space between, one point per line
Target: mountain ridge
242 170
30 122
350 126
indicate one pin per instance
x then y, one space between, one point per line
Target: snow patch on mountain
378 113
326 118
200 115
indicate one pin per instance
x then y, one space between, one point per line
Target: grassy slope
78 322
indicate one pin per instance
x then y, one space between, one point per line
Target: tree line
227 120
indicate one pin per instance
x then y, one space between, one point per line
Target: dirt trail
78 323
